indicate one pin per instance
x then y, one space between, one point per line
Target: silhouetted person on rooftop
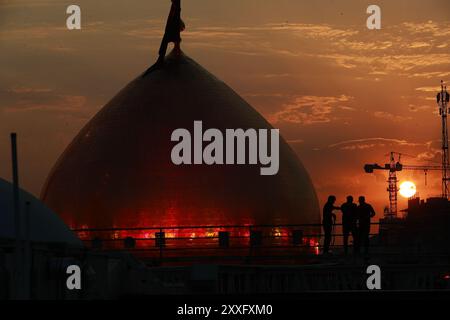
174 26
349 220
365 212
327 221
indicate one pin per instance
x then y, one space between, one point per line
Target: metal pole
17 219
160 246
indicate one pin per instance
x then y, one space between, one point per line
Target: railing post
160 246
250 252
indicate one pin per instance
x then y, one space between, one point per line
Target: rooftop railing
222 241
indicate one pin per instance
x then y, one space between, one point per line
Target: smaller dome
45 225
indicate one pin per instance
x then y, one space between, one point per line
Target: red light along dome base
117 172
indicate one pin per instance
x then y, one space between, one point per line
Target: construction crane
394 165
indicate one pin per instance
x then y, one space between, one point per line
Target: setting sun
407 189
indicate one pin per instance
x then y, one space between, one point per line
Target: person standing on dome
174 26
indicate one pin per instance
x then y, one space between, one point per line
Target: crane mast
392 187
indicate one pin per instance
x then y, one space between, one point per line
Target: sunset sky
342 95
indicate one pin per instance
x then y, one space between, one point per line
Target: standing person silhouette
174 26
327 221
349 219
365 212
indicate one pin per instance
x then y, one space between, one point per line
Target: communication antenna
442 99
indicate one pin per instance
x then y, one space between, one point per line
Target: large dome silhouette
117 172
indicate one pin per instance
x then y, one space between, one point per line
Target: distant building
425 226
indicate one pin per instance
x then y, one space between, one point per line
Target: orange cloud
309 109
